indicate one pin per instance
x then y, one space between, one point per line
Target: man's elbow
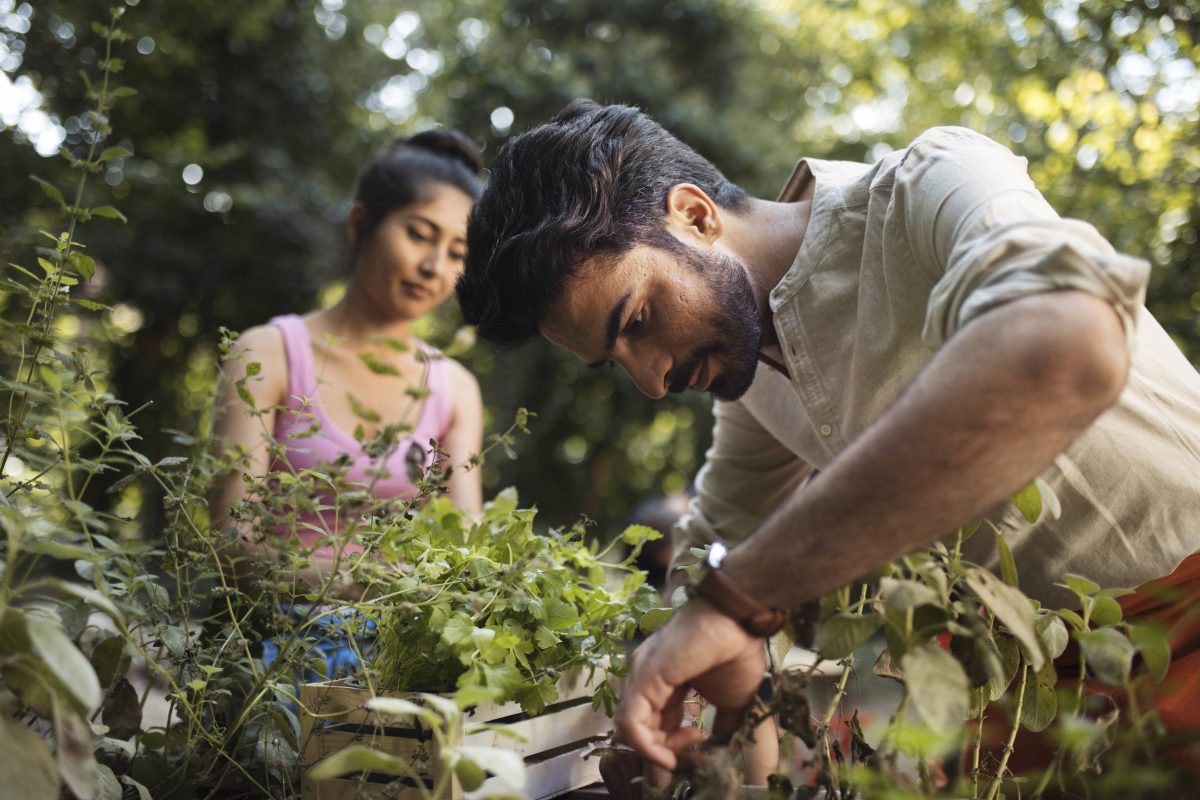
1083 355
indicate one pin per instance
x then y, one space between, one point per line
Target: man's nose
649 374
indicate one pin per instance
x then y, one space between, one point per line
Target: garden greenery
96 623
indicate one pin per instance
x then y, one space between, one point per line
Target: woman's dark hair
592 182
403 173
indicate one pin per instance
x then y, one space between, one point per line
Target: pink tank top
306 448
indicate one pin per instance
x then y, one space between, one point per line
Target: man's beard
737 328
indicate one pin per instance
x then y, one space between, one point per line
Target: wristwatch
731 600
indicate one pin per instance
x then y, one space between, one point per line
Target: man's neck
766 239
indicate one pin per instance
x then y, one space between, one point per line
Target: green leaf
1008 566
112 153
902 594
1011 608
560 615
841 634
1054 635
654 619
82 263
1049 498
378 367
88 595
108 212
50 190
938 686
639 534
90 305
1105 611
355 759
1084 587
457 630
1108 653
1029 502
65 660
1040 705
1151 641
110 660
362 411
470 775
506 765
398 707
469 696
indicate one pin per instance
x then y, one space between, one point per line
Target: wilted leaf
73 750
1012 608
885 667
27 767
841 634
122 711
938 686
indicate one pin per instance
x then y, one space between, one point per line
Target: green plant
491 602
966 644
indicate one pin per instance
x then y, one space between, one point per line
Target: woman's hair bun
447 143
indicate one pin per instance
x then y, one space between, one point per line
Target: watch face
716 554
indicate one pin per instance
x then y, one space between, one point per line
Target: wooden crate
553 748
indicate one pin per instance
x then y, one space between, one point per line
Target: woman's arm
242 438
464 439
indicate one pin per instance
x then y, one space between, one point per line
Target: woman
336 378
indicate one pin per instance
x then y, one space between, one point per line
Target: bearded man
895 349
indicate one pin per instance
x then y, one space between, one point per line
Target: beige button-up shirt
899 255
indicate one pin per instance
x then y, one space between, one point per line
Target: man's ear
692 214
356 223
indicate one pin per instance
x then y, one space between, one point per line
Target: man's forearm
993 408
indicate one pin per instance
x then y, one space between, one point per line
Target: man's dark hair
590 183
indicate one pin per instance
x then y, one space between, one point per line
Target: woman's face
410 262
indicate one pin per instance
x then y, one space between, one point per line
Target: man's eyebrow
614 322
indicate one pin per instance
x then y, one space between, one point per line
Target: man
924 332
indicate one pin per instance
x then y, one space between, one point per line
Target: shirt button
826 430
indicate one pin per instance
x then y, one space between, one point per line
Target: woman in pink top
325 374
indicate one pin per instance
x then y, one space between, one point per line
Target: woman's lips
416 290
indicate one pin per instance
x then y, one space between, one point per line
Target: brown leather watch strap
731 600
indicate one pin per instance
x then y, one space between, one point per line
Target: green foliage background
281 101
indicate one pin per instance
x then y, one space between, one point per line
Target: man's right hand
699 648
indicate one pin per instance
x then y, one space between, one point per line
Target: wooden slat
568 724
341 720
561 774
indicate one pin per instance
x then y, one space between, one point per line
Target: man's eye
637 322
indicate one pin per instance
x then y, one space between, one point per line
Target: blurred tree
253 118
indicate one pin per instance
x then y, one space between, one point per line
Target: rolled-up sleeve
747 474
972 213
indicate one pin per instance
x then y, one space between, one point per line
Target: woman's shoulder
262 345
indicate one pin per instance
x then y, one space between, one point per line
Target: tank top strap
439 405
298 347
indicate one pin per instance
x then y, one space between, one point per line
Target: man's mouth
700 378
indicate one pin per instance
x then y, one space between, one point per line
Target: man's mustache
680 378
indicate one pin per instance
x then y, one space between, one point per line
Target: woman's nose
431 264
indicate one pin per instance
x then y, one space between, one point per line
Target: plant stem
994 789
978 746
